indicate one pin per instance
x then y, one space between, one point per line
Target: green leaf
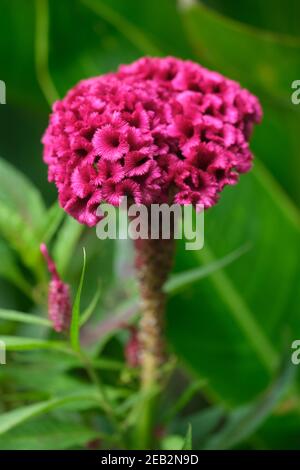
53 218
19 235
12 315
75 323
47 433
107 364
281 430
172 442
203 423
66 241
135 35
281 18
187 445
22 50
181 280
42 51
88 53
184 399
134 20
13 187
10 270
13 418
41 386
243 421
88 312
17 343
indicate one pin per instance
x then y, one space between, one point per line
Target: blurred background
233 328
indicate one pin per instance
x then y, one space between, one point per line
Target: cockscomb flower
155 126
159 130
59 300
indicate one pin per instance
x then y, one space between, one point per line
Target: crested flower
156 127
159 130
59 301
110 143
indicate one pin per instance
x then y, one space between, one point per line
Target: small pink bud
94 444
160 432
59 298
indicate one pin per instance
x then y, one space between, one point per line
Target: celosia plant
158 130
59 299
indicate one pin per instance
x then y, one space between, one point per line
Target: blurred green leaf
17 343
47 433
242 422
86 314
184 399
181 280
15 417
13 188
135 21
95 49
12 315
21 217
19 235
281 18
134 34
10 270
55 382
172 442
42 51
187 445
20 72
66 241
203 423
281 430
53 219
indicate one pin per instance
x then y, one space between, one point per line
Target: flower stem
154 260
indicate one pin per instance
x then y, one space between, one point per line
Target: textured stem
154 260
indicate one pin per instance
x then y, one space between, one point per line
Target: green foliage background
232 327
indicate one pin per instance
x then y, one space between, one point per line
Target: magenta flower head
157 127
59 299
